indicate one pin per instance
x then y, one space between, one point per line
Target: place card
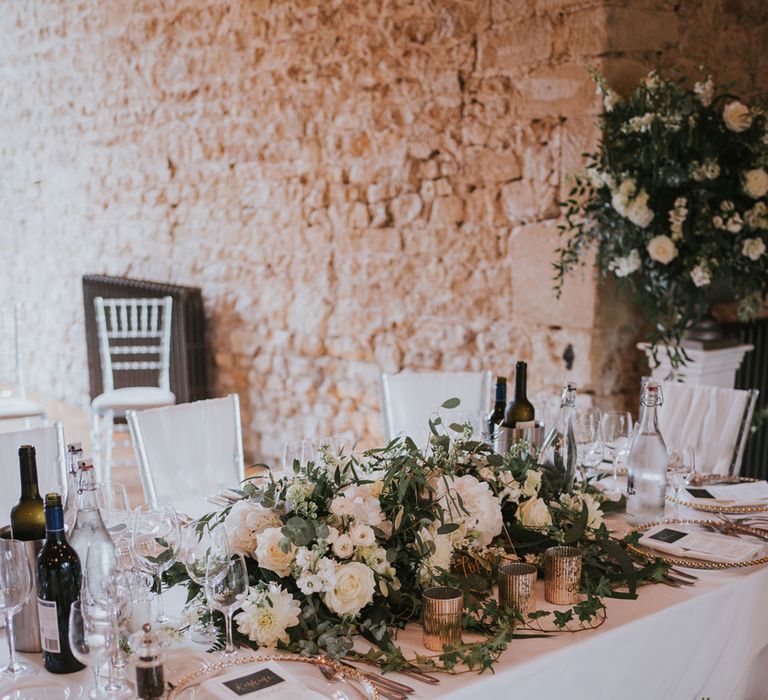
747 493
262 681
682 542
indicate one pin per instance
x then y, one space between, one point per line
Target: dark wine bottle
496 417
520 412
58 586
27 517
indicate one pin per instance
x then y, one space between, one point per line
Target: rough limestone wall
355 186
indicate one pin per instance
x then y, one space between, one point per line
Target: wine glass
113 506
228 593
681 466
589 442
90 637
15 591
297 450
617 430
205 553
155 544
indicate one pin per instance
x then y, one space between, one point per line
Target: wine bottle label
522 424
49 626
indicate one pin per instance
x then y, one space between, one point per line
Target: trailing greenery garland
344 547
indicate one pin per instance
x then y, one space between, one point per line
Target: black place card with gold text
253 682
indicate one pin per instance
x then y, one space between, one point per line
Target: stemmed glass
228 593
617 431
155 542
206 553
90 637
681 466
15 591
115 511
589 442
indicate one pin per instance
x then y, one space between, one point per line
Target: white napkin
749 493
688 541
261 681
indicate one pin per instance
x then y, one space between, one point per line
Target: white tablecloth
704 641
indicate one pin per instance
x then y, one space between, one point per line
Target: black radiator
188 373
753 374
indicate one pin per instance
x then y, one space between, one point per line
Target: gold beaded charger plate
702 481
691 562
188 687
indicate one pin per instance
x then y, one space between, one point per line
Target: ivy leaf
576 532
620 556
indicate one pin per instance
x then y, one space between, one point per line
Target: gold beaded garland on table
704 479
691 562
196 677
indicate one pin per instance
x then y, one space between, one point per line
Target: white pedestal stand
715 367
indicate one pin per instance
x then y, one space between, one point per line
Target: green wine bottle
58 586
27 517
520 412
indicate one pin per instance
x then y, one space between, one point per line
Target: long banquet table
689 643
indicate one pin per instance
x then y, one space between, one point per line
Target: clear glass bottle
647 467
74 455
558 452
89 530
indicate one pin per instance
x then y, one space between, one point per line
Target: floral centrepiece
361 536
675 201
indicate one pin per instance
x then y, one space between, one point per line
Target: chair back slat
210 455
147 321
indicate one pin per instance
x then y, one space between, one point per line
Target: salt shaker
150 679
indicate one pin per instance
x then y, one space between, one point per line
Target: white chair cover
714 420
410 398
51 465
189 450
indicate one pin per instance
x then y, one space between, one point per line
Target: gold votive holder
517 586
441 616
562 575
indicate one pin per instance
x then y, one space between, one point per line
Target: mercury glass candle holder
441 616
517 586
562 575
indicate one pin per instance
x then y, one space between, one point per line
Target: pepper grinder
150 678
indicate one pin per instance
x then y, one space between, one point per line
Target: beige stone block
481 206
532 253
427 190
520 41
565 90
406 208
493 167
446 210
528 200
379 214
443 187
429 170
381 190
636 29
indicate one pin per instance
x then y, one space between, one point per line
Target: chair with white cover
16 406
48 442
713 420
189 451
409 399
127 328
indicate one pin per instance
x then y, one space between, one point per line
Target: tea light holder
562 575
517 586
441 616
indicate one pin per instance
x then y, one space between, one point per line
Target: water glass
681 466
15 591
589 440
114 508
91 637
227 592
617 432
155 541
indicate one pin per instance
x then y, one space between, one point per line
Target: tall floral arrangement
674 201
344 546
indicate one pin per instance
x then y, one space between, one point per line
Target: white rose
756 183
362 535
270 556
343 547
639 213
267 615
534 513
753 248
701 275
624 266
532 483
737 117
662 249
351 590
245 521
341 506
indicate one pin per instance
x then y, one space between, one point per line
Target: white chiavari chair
408 399
127 328
188 451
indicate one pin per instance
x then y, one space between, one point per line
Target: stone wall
355 186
